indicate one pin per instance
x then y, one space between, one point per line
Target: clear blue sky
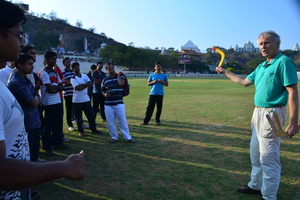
172 23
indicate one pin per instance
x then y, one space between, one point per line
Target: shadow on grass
177 160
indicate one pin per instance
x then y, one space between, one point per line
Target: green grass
201 150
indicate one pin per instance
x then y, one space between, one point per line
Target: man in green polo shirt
275 83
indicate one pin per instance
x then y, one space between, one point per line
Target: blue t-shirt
110 85
270 80
24 92
157 88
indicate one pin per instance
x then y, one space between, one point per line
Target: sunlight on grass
187 163
83 192
208 145
201 150
290 141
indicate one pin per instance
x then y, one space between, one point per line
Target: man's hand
220 70
292 130
75 166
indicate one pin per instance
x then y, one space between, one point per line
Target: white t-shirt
4 74
47 98
12 131
80 96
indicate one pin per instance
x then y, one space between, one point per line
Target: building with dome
248 47
296 47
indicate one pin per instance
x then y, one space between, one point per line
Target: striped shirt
110 85
49 76
68 89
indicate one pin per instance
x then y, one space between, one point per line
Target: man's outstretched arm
18 174
235 78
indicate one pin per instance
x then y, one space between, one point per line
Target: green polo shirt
270 80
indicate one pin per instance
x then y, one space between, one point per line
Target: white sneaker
66 140
85 126
71 128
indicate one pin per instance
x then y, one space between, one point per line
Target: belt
280 106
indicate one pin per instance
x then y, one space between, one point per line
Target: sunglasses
20 35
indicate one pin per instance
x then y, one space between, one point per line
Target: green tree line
144 59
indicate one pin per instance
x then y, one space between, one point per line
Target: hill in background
44 34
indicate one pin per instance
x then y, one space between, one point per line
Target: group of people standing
20 110
275 82
42 101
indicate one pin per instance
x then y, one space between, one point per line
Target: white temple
164 51
296 47
190 45
248 47
103 45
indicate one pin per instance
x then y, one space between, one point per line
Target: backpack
126 86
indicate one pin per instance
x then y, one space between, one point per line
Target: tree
231 50
230 69
79 45
44 41
252 64
289 53
79 24
171 49
297 62
52 15
92 29
42 15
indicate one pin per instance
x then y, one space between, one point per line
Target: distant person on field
157 80
17 174
98 99
275 83
81 100
112 90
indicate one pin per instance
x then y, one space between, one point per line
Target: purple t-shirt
100 76
24 92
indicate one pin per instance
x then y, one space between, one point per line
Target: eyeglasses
21 35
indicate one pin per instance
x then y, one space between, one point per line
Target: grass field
201 150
